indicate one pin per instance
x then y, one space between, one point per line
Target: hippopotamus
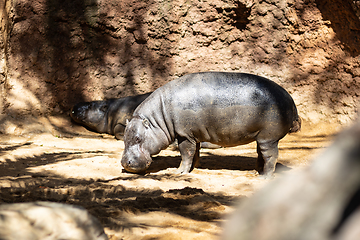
224 108
107 116
111 116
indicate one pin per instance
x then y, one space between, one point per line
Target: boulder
48 220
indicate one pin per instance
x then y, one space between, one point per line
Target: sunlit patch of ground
72 165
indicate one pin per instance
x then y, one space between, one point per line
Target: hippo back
223 108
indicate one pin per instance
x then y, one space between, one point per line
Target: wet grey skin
107 116
227 109
111 116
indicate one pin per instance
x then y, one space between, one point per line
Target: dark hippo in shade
107 116
227 109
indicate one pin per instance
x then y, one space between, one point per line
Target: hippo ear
146 123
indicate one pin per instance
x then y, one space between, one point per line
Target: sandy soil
64 162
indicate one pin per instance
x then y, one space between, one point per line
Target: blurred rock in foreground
48 220
319 202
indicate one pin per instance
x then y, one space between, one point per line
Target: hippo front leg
267 155
119 130
189 155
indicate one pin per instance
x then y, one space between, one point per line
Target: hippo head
141 140
91 114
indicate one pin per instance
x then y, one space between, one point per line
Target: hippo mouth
134 164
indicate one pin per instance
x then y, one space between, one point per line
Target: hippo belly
228 127
227 109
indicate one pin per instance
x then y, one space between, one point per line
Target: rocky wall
62 52
5 26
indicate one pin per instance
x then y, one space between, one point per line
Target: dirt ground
66 163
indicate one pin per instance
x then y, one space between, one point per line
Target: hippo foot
179 171
265 176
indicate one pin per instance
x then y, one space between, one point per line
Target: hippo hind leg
267 155
190 154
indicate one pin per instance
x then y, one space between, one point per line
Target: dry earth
66 163
54 54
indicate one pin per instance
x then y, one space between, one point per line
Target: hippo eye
137 139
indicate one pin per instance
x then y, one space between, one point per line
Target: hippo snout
73 112
135 162
77 112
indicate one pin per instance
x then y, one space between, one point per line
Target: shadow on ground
108 203
194 200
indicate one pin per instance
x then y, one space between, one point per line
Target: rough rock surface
57 53
48 220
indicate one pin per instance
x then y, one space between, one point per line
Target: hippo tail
296 125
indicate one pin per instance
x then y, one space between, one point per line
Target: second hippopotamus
227 109
107 116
